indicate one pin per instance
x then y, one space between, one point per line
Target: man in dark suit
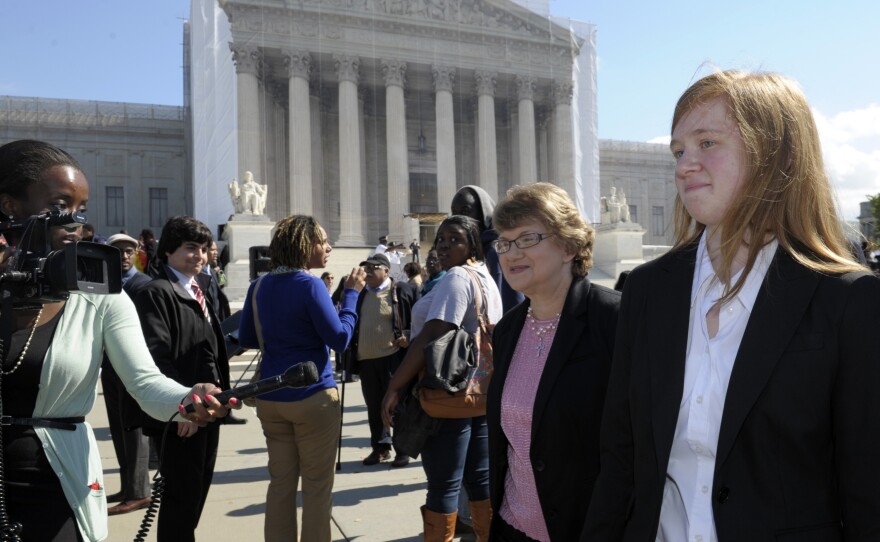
184 336
212 280
131 446
209 281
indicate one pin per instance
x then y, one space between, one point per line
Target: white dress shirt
185 281
686 512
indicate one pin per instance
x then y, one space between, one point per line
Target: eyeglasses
525 240
127 251
371 267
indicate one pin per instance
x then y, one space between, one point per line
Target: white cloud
852 154
851 149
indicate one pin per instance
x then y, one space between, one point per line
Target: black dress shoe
400 460
128 506
116 497
377 456
230 419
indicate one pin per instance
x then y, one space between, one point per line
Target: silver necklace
26 345
541 329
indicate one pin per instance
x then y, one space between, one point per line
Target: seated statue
250 197
613 210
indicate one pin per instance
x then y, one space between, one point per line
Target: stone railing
48 111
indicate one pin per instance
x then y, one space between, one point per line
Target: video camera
37 274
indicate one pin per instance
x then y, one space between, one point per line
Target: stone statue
250 197
613 210
235 194
624 207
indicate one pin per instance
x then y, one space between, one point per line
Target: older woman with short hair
552 360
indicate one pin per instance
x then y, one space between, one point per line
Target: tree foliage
874 202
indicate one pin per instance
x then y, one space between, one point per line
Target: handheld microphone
298 376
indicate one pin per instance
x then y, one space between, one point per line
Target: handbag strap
480 308
257 324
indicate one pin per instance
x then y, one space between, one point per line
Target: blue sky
648 53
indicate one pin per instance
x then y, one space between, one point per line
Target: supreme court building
370 114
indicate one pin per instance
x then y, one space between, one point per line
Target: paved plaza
370 504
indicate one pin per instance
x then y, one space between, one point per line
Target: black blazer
185 347
800 433
215 295
568 406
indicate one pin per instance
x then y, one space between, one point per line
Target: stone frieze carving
462 12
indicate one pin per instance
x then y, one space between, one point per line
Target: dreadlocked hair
293 240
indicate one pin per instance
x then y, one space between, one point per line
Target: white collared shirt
686 513
185 281
385 284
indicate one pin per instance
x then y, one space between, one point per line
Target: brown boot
438 527
481 518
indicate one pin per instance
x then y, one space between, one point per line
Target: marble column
487 177
563 136
248 60
317 152
351 231
299 153
525 93
541 122
394 73
444 80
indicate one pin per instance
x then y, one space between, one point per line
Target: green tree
875 212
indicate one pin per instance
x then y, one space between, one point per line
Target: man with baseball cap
378 345
132 447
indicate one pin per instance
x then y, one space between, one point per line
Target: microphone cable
157 490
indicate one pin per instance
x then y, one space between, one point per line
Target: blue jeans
458 451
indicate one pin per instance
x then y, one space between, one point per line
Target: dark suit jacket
799 443
185 347
216 296
568 406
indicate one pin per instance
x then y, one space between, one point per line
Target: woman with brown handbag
459 449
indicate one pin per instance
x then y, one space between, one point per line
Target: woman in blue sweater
290 313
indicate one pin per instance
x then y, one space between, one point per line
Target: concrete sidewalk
370 504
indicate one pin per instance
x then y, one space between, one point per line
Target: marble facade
364 112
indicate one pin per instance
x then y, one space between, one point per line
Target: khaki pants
301 437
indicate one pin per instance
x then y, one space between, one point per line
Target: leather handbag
412 425
453 394
449 361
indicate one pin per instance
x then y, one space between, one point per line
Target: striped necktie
200 297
